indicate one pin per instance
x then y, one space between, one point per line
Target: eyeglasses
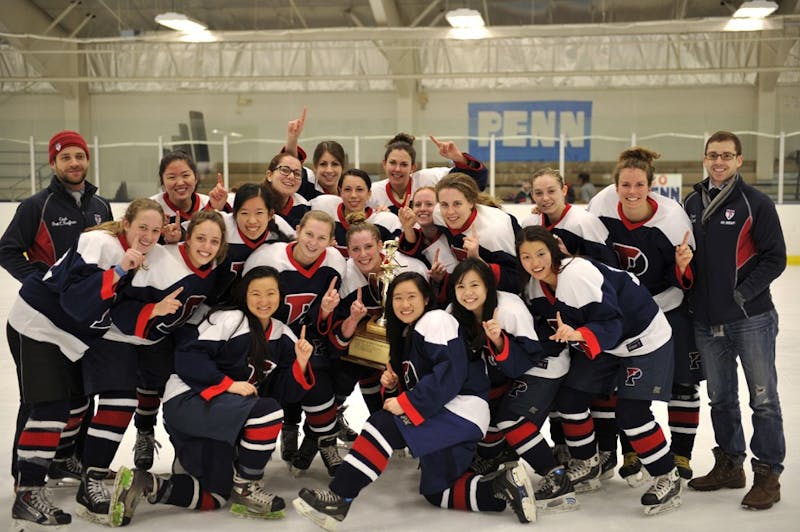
286 172
725 156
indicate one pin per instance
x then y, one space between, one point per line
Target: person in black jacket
44 227
740 251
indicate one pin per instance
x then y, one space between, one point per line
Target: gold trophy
369 346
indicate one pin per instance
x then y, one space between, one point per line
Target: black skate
64 473
33 506
608 462
302 458
129 487
485 466
144 449
289 434
585 474
556 494
329 453
93 497
664 494
513 486
345 433
323 507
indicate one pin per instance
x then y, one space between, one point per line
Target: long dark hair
538 233
258 352
472 328
394 326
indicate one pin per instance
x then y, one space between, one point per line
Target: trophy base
369 346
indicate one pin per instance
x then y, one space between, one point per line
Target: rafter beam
385 13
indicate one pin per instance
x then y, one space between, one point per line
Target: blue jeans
752 340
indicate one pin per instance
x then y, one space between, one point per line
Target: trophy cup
369 346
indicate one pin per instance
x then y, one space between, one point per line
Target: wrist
119 270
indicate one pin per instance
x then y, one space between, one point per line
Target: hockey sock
369 455
146 409
38 441
470 492
605 422
556 430
77 411
114 413
258 438
526 439
320 418
493 443
371 392
645 435
185 491
684 417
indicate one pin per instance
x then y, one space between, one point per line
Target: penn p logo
634 374
730 213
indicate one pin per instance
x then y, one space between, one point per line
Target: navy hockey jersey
647 248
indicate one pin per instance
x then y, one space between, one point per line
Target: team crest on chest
634 374
729 214
631 259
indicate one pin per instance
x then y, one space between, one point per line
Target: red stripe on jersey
592 346
412 413
41 440
143 319
648 443
496 271
113 418
691 417
373 454
502 355
213 391
522 433
262 434
305 382
107 285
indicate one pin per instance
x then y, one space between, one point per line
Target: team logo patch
58 146
410 377
694 361
631 259
97 219
518 388
634 374
730 213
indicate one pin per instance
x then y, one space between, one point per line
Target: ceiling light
465 18
180 22
755 9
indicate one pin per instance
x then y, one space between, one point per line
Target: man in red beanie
44 227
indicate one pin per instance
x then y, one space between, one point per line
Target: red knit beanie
63 139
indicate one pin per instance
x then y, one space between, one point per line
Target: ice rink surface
393 502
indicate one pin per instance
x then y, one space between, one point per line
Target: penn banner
668 185
529 131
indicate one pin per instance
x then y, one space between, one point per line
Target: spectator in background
588 190
524 194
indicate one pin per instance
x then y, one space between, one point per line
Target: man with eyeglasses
740 251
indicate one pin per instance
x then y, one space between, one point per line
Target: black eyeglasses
286 172
725 156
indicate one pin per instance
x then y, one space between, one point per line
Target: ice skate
93 497
64 473
561 453
129 487
329 452
508 457
34 510
144 449
513 486
345 433
302 458
585 474
664 494
249 499
556 494
608 462
632 471
323 507
289 434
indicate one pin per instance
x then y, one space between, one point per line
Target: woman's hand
683 254
303 350
389 378
242 388
393 405
449 150
564 333
218 197
494 332
329 301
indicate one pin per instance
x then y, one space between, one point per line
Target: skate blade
85 514
656 509
122 481
637 479
318 518
563 504
522 479
61 483
296 471
22 525
607 475
588 486
240 510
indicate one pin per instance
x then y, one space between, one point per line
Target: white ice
393 502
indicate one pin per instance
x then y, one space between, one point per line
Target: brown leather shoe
766 489
725 474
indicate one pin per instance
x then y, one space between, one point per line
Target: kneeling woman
628 344
222 406
437 409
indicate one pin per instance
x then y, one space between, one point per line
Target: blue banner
529 120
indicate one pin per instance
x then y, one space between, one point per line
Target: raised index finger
302 333
558 319
685 239
358 294
333 285
219 179
175 292
434 140
436 256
